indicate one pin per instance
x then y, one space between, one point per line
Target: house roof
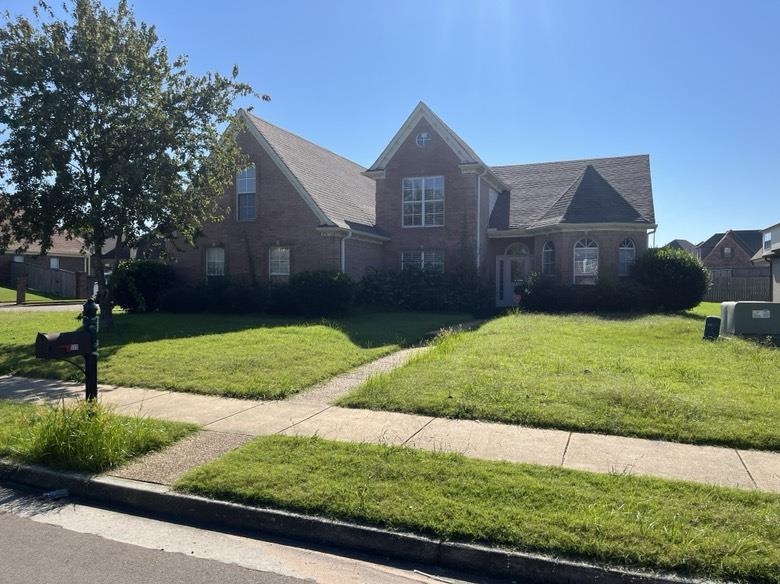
751 240
62 246
334 185
612 190
683 244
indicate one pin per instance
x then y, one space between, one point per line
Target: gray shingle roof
683 244
577 191
335 184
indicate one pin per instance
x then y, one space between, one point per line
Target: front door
511 273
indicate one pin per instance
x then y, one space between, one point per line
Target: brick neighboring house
427 201
46 272
769 253
729 254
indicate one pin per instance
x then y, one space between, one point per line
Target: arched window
548 258
516 249
586 261
626 257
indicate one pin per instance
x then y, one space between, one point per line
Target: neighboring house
65 254
682 244
729 254
428 201
769 253
62 271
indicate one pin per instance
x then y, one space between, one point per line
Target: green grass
9 295
81 437
632 521
650 376
241 356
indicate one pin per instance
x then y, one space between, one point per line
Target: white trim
569 228
333 231
344 252
266 146
422 202
270 261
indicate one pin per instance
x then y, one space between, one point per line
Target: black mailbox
60 345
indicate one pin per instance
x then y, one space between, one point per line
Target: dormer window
423 201
768 241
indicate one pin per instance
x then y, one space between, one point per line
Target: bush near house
544 293
461 289
138 285
678 279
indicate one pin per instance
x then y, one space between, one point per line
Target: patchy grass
242 356
81 437
640 522
650 376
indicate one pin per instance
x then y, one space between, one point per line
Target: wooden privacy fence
56 282
726 289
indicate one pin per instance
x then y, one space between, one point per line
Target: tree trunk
104 294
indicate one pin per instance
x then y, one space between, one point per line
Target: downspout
344 251
479 213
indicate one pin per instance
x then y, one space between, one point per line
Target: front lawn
9 295
81 437
634 521
242 356
649 376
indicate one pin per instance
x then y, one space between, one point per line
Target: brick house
729 254
428 201
65 254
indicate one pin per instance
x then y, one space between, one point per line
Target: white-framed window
19 259
586 261
279 261
548 258
54 263
431 259
215 261
768 241
728 252
423 201
626 257
246 187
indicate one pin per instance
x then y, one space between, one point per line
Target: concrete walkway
230 422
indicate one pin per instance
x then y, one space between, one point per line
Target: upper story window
626 257
586 261
19 259
279 261
728 252
54 263
423 201
245 193
548 258
768 241
423 260
215 261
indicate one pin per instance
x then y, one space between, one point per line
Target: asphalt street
46 541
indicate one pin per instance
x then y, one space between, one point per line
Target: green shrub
678 279
217 296
546 294
138 285
89 437
321 293
460 289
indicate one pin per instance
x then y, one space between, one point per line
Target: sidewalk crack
303 420
423 427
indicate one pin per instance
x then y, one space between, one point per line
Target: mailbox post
91 325
82 342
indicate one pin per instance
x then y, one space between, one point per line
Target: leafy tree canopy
102 135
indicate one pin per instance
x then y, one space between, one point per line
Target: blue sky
694 84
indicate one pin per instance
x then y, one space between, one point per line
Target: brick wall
457 236
283 219
362 256
716 258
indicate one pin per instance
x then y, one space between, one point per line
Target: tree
103 136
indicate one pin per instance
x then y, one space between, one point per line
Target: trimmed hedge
678 279
138 285
545 294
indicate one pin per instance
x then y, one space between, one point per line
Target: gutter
344 251
479 213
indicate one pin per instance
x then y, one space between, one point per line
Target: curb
160 501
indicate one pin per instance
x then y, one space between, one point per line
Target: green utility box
750 319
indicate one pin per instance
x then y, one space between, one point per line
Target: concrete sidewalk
229 422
